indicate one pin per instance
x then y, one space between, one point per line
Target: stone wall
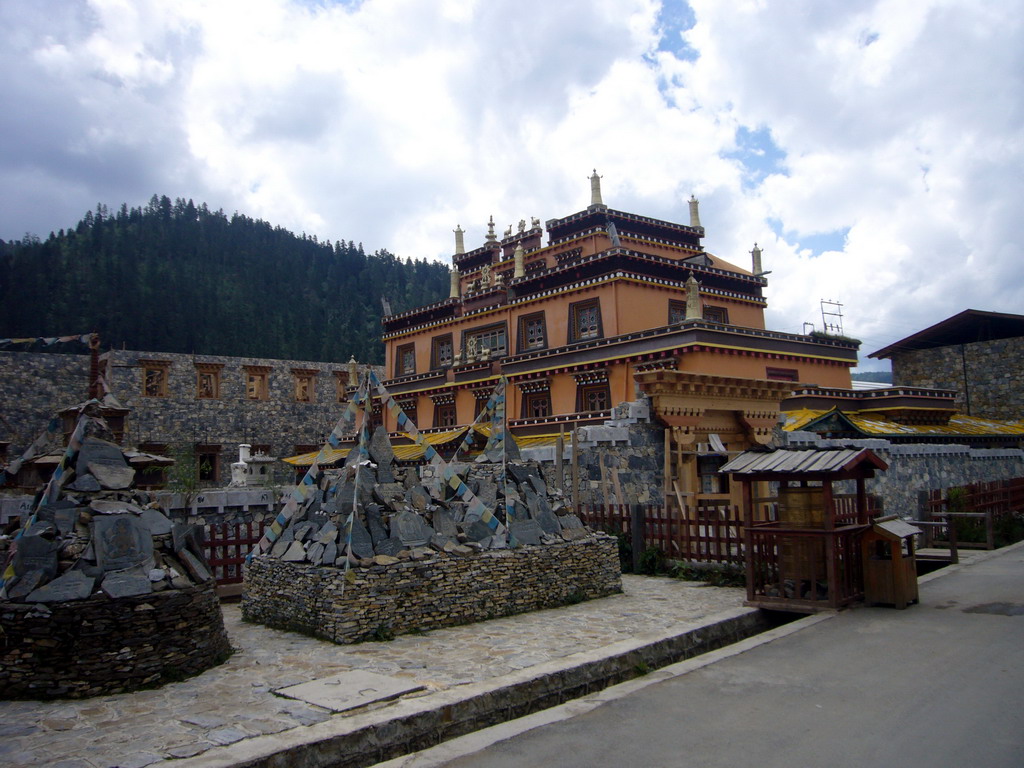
439 591
100 646
986 375
620 461
34 386
922 467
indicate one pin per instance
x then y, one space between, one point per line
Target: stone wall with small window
206 402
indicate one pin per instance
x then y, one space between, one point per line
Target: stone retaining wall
440 591
101 646
922 467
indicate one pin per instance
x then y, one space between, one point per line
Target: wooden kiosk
890 567
806 554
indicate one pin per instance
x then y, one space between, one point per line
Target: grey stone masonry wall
923 467
442 590
620 461
986 375
100 646
34 386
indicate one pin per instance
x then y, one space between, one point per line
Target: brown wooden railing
791 566
707 533
227 544
988 502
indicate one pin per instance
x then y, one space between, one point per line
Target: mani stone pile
99 539
412 517
107 595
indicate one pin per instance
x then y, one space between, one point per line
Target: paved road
939 684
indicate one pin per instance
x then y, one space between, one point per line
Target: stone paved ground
235 701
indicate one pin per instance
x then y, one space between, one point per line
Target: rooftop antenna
832 317
805 331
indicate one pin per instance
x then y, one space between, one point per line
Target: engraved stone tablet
73 585
411 529
526 532
388 547
444 523
362 544
478 530
380 447
126 584
122 541
34 553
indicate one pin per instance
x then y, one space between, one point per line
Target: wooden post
862 502
559 461
748 535
831 569
575 469
636 530
667 465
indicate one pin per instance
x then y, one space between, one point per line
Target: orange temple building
612 306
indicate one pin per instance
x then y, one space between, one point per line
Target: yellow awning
306 459
958 425
439 438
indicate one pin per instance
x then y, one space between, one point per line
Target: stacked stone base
416 595
101 646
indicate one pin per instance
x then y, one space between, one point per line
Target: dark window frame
445 415
781 374
435 351
583 391
521 335
676 311
482 331
400 352
531 400
576 308
711 310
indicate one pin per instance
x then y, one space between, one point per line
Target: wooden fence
989 503
227 544
708 533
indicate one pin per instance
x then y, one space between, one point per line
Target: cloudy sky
873 148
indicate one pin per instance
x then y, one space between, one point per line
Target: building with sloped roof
977 354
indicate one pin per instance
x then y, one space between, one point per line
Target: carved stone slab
122 541
126 584
526 532
380 447
34 553
411 529
73 585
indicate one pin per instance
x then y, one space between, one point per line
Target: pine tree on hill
176 277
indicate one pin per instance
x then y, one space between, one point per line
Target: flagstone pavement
235 701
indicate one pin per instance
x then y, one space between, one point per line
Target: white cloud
389 121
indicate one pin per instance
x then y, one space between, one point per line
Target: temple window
208 381
782 374
441 351
405 360
532 332
444 414
585 320
593 397
257 382
536 405
716 314
486 342
676 311
305 385
154 377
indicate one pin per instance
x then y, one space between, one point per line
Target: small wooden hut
807 558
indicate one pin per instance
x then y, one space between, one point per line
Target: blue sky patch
674 18
758 154
817 242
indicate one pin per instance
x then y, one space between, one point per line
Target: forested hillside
176 277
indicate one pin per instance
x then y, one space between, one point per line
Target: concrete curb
418 723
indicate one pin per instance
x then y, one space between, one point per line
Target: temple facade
612 306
